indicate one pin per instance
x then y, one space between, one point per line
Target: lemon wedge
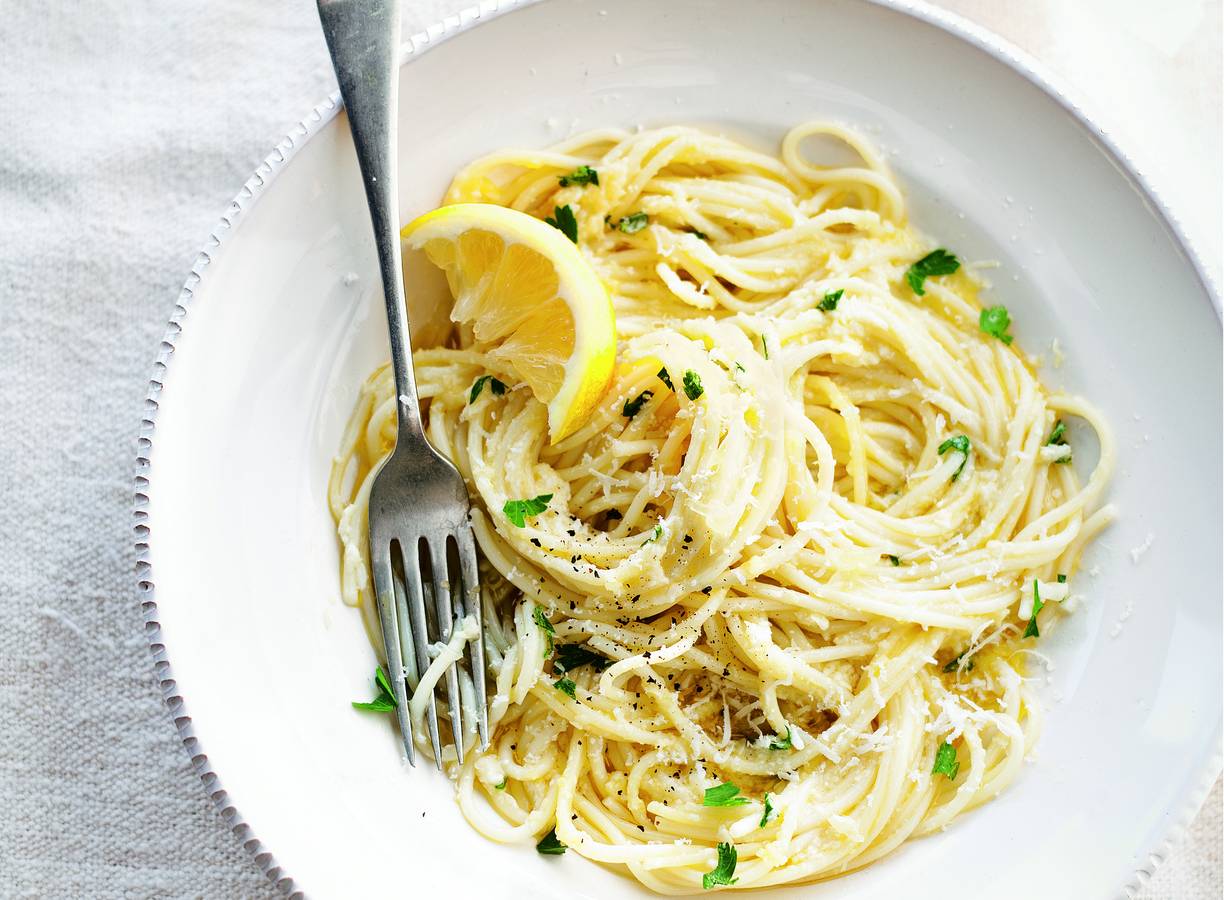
529 295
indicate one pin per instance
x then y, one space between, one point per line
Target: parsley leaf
580 175
894 559
995 321
953 664
1058 438
501 785
573 656
545 626
1032 630
722 873
549 845
692 385
384 683
937 262
666 379
634 406
700 234
567 687
563 220
782 743
385 701
960 442
658 533
632 223
829 303
946 762
725 794
768 814
497 386
517 511
1062 579
764 347
961 445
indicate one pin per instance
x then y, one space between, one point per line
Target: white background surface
127 128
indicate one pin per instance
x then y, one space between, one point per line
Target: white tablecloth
126 126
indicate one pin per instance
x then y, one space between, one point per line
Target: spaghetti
775 614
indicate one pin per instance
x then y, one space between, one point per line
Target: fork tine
403 620
446 624
420 635
384 592
470 587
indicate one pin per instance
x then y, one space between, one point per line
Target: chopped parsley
700 234
995 321
1062 579
497 386
666 379
632 223
545 626
725 794
385 701
725 869
549 845
894 559
658 533
517 511
829 303
764 347
937 262
567 687
769 812
1032 630
782 743
563 220
953 664
580 175
961 445
500 786
1058 438
634 406
573 656
692 385
946 762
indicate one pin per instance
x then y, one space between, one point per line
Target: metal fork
418 504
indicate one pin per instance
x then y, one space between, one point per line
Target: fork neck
363 39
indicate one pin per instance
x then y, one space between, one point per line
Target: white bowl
281 320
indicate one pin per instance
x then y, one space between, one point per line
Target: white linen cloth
127 126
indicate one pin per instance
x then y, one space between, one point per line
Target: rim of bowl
975 35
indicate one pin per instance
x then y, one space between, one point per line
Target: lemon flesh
530 297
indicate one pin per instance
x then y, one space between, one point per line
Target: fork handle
363 40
